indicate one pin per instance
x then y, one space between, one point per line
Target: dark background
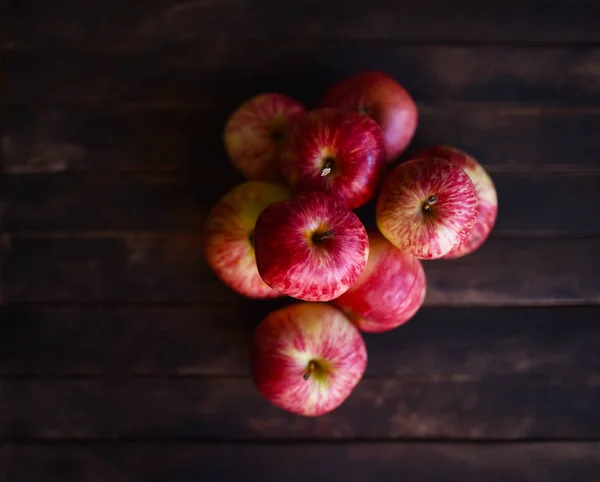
122 358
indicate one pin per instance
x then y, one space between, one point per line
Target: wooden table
122 358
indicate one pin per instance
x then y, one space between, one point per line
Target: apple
486 193
390 290
427 207
385 100
337 152
255 132
307 358
228 236
310 247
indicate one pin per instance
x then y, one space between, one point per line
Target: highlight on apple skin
307 358
310 247
427 207
390 290
337 152
385 100
228 236
486 194
255 132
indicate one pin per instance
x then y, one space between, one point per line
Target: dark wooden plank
3 198
57 140
235 70
564 204
503 137
156 269
147 24
169 341
520 214
523 272
514 138
134 269
523 462
73 203
4 242
3 238
352 462
215 341
231 409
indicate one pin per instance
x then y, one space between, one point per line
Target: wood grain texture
530 204
56 140
171 269
135 269
518 272
503 137
233 71
509 408
215 341
151 24
523 462
108 203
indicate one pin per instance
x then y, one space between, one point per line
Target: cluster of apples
290 230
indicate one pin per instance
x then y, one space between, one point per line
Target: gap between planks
352 441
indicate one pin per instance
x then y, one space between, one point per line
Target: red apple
390 290
255 132
307 358
311 247
385 100
427 207
486 193
228 236
337 152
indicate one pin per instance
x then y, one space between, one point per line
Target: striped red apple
385 100
390 290
307 358
427 207
310 247
486 194
340 153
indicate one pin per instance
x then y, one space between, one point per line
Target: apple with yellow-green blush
228 236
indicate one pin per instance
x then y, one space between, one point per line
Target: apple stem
309 369
318 237
327 167
431 200
277 134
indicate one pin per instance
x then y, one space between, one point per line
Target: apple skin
288 340
486 193
337 152
227 236
427 207
385 100
390 290
310 247
255 132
